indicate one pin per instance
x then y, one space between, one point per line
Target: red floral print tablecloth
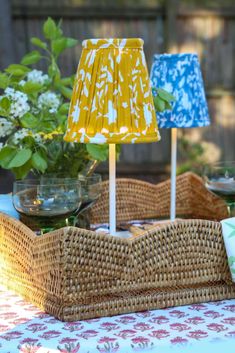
25 329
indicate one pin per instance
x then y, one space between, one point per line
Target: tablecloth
193 328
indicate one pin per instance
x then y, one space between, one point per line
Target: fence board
6 45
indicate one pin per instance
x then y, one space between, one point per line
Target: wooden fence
165 26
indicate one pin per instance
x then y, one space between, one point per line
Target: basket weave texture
141 200
77 274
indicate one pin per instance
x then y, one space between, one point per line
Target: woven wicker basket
77 274
140 200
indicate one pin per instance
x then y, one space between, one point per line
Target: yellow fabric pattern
112 100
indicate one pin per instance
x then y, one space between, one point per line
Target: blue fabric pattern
180 75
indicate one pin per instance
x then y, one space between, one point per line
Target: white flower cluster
50 101
22 83
20 135
5 127
37 76
37 137
19 102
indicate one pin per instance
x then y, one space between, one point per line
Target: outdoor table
207 327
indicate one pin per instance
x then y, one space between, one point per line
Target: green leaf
17 70
168 106
39 43
3 113
29 142
66 81
20 158
64 108
159 104
98 152
53 70
59 29
5 104
58 45
42 146
70 42
38 162
14 80
6 154
22 171
50 29
66 92
62 121
47 125
4 80
29 121
10 157
31 87
54 150
72 80
165 95
31 58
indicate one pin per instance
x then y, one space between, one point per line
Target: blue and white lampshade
180 75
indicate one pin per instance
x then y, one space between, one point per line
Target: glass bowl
220 179
47 203
91 190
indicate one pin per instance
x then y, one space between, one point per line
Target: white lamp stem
112 189
173 172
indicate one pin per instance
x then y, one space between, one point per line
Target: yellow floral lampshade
112 100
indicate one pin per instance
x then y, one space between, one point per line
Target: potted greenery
33 113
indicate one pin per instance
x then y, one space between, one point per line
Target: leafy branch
34 138
162 99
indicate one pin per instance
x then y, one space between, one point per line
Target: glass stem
231 209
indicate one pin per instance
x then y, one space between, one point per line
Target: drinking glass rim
38 182
220 164
90 177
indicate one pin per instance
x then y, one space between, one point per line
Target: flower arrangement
33 112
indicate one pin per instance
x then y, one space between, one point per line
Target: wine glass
46 204
91 190
220 179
